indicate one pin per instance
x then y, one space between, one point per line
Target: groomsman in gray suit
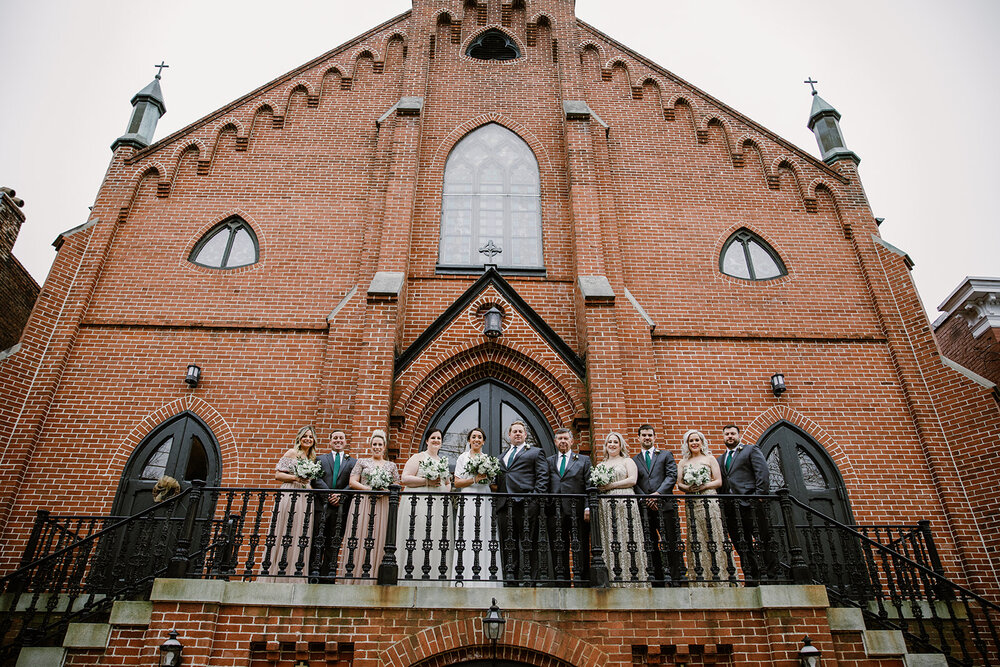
523 472
568 519
657 477
745 473
333 515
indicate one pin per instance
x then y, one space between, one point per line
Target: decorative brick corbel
668 114
278 121
636 92
242 143
163 189
203 166
312 101
345 82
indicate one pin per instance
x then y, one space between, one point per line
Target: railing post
388 569
800 570
41 518
932 553
178 566
598 568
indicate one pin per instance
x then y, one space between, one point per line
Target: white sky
916 82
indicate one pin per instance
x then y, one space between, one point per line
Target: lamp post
809 654
493 624
170 651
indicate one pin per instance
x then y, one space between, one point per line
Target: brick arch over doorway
523 641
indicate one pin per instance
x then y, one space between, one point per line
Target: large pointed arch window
228 245
746 255
491 204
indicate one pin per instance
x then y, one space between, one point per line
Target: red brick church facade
349 316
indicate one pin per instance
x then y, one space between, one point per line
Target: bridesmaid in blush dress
706 554
292 558
620 524
365 545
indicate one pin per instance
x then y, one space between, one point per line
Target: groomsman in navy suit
569 518
524 472
745 473
332 516
657 477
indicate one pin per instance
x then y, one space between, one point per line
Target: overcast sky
916 82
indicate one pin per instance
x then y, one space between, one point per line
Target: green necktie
729 459
336 468
562 465
649 461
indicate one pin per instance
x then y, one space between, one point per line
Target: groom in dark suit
745 473
523 471
333 514
569 518
657 477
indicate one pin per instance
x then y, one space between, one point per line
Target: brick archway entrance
481 656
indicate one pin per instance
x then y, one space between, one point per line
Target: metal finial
159 68
491 249
811 81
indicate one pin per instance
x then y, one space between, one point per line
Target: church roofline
814 161
222 111
491 277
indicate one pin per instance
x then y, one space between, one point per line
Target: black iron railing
896 590
82 578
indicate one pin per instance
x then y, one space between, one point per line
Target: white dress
477 551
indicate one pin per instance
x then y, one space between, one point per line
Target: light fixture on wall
170 651
809 654
778 384
493 319
493 624
193 375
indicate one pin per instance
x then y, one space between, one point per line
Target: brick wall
18 290
980 355
646 202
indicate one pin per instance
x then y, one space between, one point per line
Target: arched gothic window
491 204
745 255
493 45
228 245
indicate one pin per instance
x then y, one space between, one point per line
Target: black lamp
493 624
193 375
493 318
170 651
778 384
809 654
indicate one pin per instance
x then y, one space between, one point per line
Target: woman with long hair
620 523
292 522
699 474
364 540
424 516
478 562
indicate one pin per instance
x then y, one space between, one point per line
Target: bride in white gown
478 563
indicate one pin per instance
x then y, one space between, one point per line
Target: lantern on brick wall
193 375
809 654
170 651
492 323
778 384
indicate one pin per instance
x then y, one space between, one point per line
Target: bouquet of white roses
434 469
602 474
308 469
483 464
697 475
378 478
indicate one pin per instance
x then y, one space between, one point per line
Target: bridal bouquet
602 474
433 469
483 464
378 478
697 475
308 469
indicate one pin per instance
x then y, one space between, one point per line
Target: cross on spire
159 68
811 81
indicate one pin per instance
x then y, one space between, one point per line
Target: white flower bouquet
308 469
434 469
378 478
697 475
483 464
602 474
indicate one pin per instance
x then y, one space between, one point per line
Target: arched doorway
182 447
799 463
492 406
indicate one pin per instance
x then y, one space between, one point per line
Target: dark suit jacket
326 481
661 478
576 480
529 474
748 474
